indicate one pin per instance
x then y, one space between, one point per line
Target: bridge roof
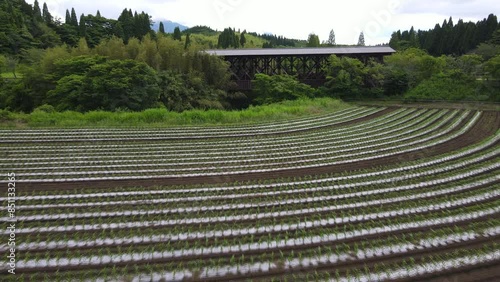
302 51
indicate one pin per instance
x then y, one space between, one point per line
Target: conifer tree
47 17
361 40
177 34
331 38
188 41
162 28
74 19
37 12
68 17
243 40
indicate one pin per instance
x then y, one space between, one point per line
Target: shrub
446 86
273 89
5 115
45 109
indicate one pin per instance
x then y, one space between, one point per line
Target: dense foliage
414 75
114 75
228 39
449 38
91 62
23 27
104 84
277 88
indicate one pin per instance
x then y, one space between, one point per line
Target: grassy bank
163 118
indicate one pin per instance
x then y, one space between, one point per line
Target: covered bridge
306 63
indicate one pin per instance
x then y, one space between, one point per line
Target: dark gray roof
302 51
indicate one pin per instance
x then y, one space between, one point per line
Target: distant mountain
169 26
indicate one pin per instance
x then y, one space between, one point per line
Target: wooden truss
307 68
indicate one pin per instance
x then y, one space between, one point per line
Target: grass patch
164 118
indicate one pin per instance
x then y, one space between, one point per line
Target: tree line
91 62
449 38
411 75
152 72
23 27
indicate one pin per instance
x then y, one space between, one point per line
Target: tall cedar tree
331 38
243 39
188 41
74 19
82 31
127 21
162 28
361 41
228 39
47 17
37 12
177 34
68 17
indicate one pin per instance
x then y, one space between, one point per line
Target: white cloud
296 18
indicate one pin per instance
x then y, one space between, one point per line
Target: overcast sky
296 18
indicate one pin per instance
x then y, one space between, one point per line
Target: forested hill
23 26
449 38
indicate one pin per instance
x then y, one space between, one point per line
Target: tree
188 41
68 17
495 38
361 40
81 48
228 39
177 34
74 19
243 40
272 89
416 64
162 28
112 48
331 38
37 12
119 84
126 20
179 92
487 51
142 25
345 77
313 40
47 17
82 29
493 67
148 53
97 29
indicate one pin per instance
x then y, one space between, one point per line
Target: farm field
361 194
